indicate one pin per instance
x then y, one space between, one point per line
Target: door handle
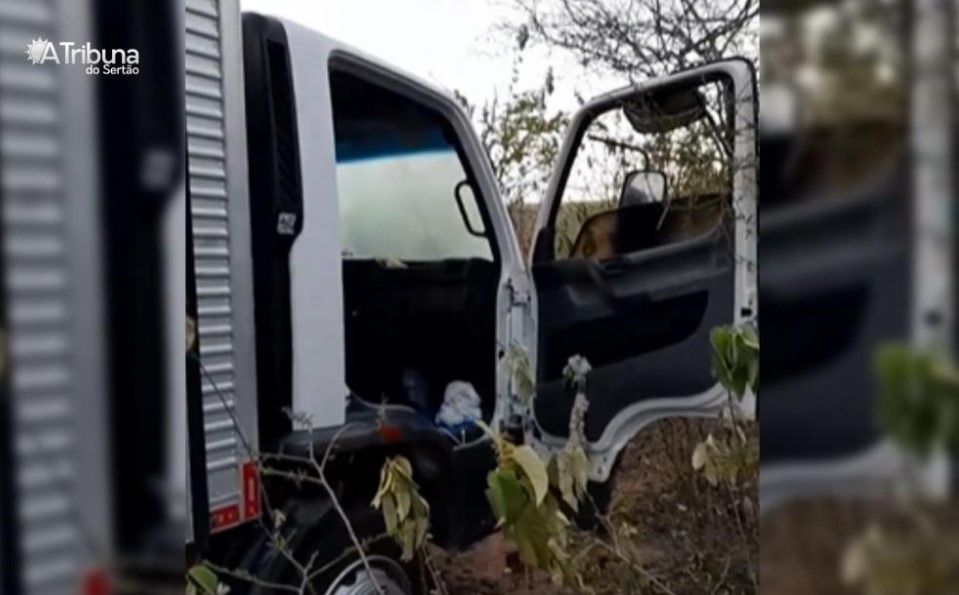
614 267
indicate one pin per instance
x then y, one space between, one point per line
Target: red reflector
223 518
95 582
390 433
251 491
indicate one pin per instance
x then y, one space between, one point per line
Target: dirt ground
805 544
680 534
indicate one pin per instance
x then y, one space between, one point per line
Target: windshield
397 170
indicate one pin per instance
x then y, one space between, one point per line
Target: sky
450 43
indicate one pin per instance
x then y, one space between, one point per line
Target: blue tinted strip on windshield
388 143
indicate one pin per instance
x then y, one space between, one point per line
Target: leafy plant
731 459
518 489
405 512
918 398
568 472
568 469
736 358
733 455
527 513
201 580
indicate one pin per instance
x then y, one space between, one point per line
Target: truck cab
353 260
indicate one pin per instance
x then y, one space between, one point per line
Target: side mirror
643 187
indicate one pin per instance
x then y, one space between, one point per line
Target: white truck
319 282
350 256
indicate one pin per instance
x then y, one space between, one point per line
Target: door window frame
344 63
627 422
512 324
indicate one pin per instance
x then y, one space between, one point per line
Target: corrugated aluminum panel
218 201
37 292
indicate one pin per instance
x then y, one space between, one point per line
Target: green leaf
561 477
534 469
402 502
580 470
204 579
505 494
403 467
569 469
390 518
407 539
749 337
405 512
735 355
421 524
532 531
731 457
529 515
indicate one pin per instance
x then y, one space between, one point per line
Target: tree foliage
627 40
520 133
640 38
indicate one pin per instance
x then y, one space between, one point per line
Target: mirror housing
643 187
663 110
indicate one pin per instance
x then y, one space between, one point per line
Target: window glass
397 173
643 177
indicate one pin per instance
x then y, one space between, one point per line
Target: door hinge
517 298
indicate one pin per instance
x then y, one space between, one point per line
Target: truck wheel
342 574
356 580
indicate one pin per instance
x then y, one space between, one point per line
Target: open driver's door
645 242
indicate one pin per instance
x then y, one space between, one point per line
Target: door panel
642 321
836 285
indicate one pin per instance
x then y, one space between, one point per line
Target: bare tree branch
640 38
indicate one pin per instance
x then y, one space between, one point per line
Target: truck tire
343 573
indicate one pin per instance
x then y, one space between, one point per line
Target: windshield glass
397 170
